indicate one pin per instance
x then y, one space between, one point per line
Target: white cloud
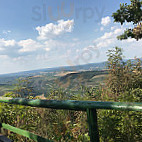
6 32
105 21
75 39
5 43
108 39
51 43
106 35
51 30
22 49
118 31
1 49
47 49
130 40
77 50
3 56
113 28
59 44
10 43
29 45
102 28
54 44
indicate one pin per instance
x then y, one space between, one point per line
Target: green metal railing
88 106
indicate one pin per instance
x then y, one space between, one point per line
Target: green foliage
130 13
123 75
23 87
125 85
63 125
122 126
57 125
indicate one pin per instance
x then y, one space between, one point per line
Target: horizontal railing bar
24 133
72 104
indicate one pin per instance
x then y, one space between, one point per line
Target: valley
68 78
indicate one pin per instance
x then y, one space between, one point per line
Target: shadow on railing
88 106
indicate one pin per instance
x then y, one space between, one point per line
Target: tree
123 75
130 13
115 66
23 88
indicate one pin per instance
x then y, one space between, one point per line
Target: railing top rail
73 104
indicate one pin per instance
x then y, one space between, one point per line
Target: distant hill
73 81
85 67
90 66
44 79
68 77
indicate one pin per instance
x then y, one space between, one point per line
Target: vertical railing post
93 126
0 127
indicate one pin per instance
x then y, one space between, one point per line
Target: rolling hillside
69 77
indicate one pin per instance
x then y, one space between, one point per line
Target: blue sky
39 34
